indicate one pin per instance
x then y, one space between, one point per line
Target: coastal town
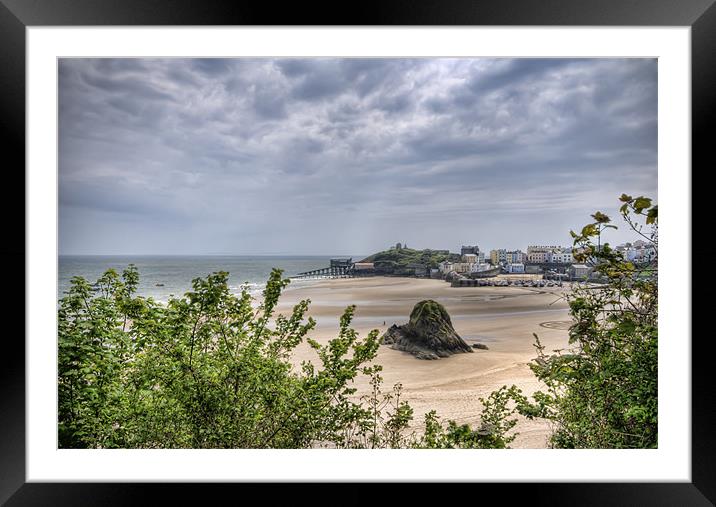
230 268
540 265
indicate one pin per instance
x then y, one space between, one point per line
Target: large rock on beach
428 335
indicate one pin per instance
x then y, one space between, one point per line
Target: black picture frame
16 15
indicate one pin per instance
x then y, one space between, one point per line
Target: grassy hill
405 261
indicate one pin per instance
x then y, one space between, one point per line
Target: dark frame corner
16 15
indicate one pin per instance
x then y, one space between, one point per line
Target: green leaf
601 218
589 230
641 203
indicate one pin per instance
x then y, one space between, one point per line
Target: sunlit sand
503 318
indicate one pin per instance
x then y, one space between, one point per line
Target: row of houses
473 260
463 267
517 261
553 254
503 256
536 254
639 251
575 271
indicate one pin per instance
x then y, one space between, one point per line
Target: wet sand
503 318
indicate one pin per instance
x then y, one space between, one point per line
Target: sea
163 277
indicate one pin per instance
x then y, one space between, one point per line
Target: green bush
602 392
212 370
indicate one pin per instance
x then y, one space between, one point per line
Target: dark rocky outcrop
428 335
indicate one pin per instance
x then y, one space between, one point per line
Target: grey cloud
324 78
118 66
128 86
294 67
513 72
183 77
356 150
211 66
317 86
368 74
269 105
398 103
431 146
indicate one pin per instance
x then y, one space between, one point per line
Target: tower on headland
469 249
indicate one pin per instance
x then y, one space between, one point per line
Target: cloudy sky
347 156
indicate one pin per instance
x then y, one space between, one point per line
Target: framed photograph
233 219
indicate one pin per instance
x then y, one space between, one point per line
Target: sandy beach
503 318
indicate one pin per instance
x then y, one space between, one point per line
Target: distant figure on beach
384 323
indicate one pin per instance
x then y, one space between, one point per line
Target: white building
549 255
649 253
580 271
627 251
514 257
538 257
478 257
542 248
515 267
462 267
478 267
562 257
640 251
502 256
645 253
498 256
445 267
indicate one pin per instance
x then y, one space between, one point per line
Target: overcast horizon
343 156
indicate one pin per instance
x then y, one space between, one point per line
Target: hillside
408 261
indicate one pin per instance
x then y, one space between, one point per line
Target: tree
602 392
212 370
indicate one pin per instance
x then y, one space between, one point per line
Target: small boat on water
159 285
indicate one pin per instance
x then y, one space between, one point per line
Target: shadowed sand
503 318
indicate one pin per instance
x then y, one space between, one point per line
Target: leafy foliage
213 370
602 393
493 433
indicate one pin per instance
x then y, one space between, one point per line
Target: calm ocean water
162 276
